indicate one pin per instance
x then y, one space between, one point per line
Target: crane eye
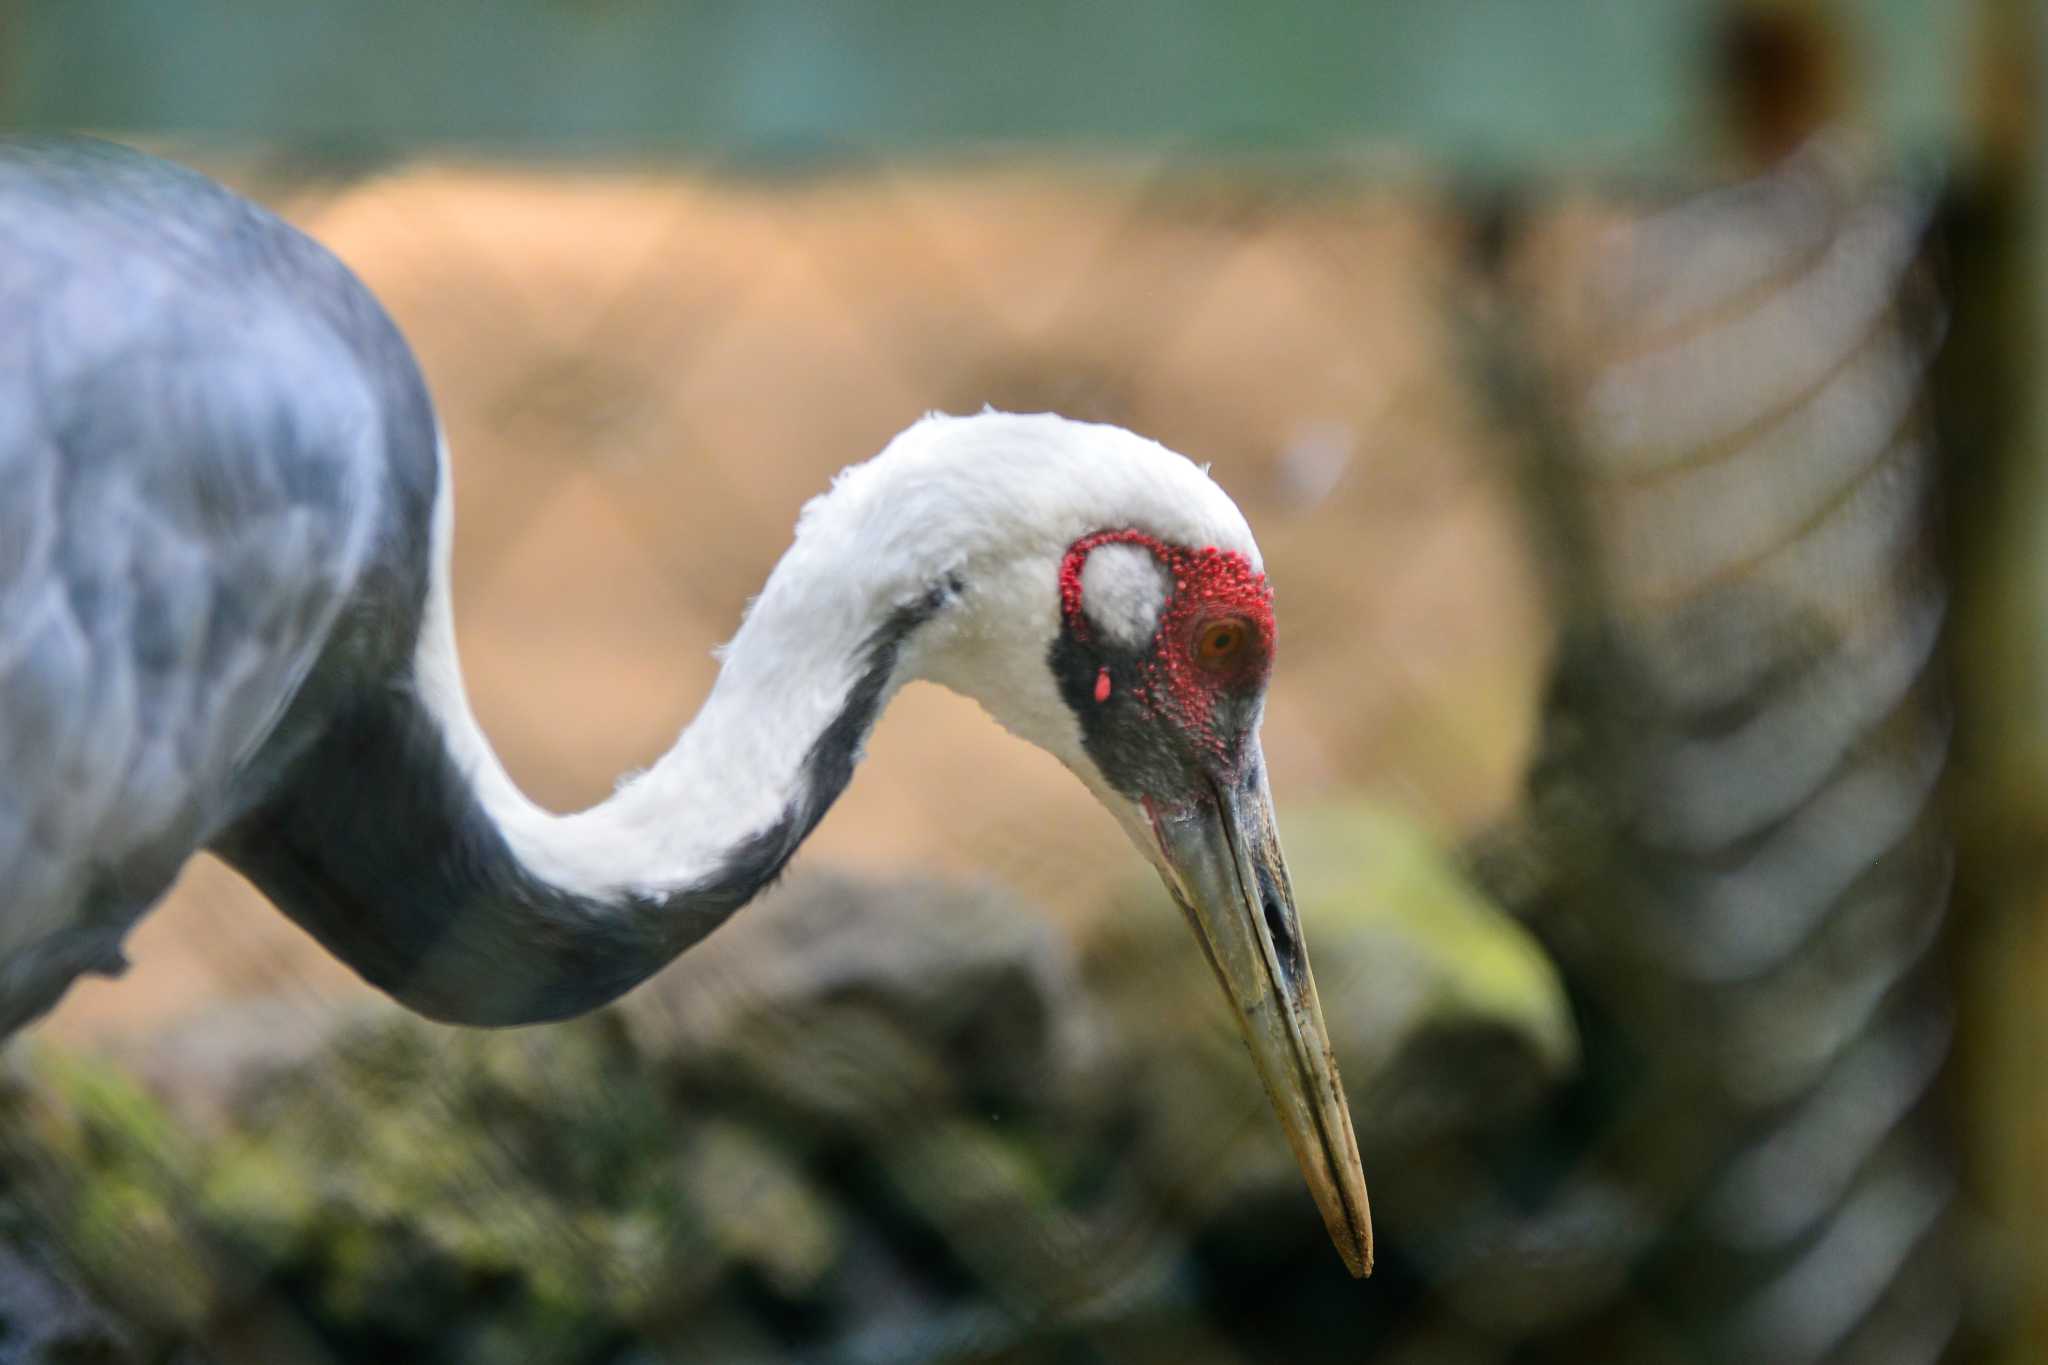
1219 643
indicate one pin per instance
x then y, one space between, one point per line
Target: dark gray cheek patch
1139 748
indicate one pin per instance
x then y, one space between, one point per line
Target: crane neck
402 843
800 685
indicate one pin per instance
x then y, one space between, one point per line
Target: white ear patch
1123 590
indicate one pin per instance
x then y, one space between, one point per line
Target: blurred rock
886 1122
1448 1023
1413 967
44 1317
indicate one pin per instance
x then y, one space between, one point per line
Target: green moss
1364 867
109 1174
760 1210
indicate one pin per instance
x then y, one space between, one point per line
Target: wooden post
1996 443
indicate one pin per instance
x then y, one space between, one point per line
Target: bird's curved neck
799 688
400 842
410 852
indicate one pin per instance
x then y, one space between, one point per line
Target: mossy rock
698 1168
862 1117
98 1176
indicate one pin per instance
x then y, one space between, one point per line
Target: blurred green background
1558 86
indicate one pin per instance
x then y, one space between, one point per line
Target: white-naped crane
225 624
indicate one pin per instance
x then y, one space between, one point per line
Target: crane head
1105 601
1162 657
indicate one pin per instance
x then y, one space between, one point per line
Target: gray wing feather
189 485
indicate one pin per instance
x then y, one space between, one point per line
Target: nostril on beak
1285 946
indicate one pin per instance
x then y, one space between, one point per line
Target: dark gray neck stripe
376 845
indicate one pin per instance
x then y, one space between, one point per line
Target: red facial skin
1209 585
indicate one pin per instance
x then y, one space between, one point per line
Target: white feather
991 502
1123 590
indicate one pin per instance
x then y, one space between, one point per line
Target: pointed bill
1224 867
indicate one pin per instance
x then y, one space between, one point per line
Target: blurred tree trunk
1996 462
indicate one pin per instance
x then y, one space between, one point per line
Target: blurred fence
1748 865
1627 498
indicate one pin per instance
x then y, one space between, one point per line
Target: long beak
1224 867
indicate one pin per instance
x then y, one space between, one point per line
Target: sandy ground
644 376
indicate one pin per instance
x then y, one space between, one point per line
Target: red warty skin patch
1208 585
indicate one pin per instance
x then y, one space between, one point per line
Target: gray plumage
212 441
